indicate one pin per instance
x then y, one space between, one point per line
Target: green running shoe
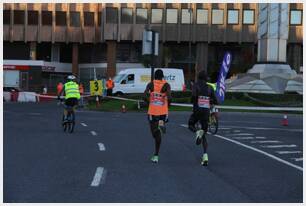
199 135
154 159
204 161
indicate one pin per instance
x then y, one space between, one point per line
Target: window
74 19
99 19
130 79
296 17
217 16
248 16
157 16
6 17
60 18
89 19
126 16
232 17
186 15
32 17
18 17
202 16
171 16
141 16
111 15
46 17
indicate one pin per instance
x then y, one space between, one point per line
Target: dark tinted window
18 17
111 15
99 19
74 19
126 16
6 16
60 18
32 17
89 18
141 16
46 17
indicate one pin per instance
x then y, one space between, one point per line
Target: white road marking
93 133
184 125
83 124
236 130
98 176
243 134
224 128
266 141
260 138
243 137
101 146
266 128
297 159
262 152
278 146
288 152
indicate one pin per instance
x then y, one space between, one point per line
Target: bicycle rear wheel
71 122
213 124
64 125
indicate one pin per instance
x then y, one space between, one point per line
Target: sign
48 69
96 88
220 93
16 67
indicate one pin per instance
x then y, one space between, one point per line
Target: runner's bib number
157 99
203 102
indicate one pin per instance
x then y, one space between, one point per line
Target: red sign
16 67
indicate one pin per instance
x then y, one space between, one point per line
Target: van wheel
118 94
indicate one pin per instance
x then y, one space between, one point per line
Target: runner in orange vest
159 93
109 87
59 87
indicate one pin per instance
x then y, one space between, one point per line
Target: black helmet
159 74
202 75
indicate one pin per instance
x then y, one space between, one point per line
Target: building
92 39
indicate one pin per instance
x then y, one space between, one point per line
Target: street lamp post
189 58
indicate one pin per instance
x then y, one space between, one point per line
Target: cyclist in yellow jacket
72 94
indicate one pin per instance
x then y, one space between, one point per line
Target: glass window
296 17
6 17
32 17
157 16
233 17
99 19
171 16
46 17
74 18
202 16
111 15
89 18
141 16
186 15
217 16
18 17
60 18
126 16
130 79
248 16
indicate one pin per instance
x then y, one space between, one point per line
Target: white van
135 80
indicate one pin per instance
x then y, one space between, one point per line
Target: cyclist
72 94
159 93
202 96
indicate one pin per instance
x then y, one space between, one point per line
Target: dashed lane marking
265 128
101 146
297 159
260 151
266 141
243 134
98 177
260 138
93 133
279 146
288 152
243 138
236 130
83 124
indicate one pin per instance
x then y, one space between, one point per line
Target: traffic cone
123 108
285 120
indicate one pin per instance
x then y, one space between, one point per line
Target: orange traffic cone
285 120
123 108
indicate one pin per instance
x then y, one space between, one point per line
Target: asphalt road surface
251 159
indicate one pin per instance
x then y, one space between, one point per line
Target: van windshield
118 78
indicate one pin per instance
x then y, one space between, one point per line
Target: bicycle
70 121
213 122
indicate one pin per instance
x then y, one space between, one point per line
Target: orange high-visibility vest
158 101
109 84
81 89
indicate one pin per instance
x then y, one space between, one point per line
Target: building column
201 57
33 51
111 58
295 57
75 59
55 53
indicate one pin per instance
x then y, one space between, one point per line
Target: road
251 159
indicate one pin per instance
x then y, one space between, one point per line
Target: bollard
97 102
123 108
285 120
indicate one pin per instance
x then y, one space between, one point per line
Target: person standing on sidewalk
109 87
158 94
